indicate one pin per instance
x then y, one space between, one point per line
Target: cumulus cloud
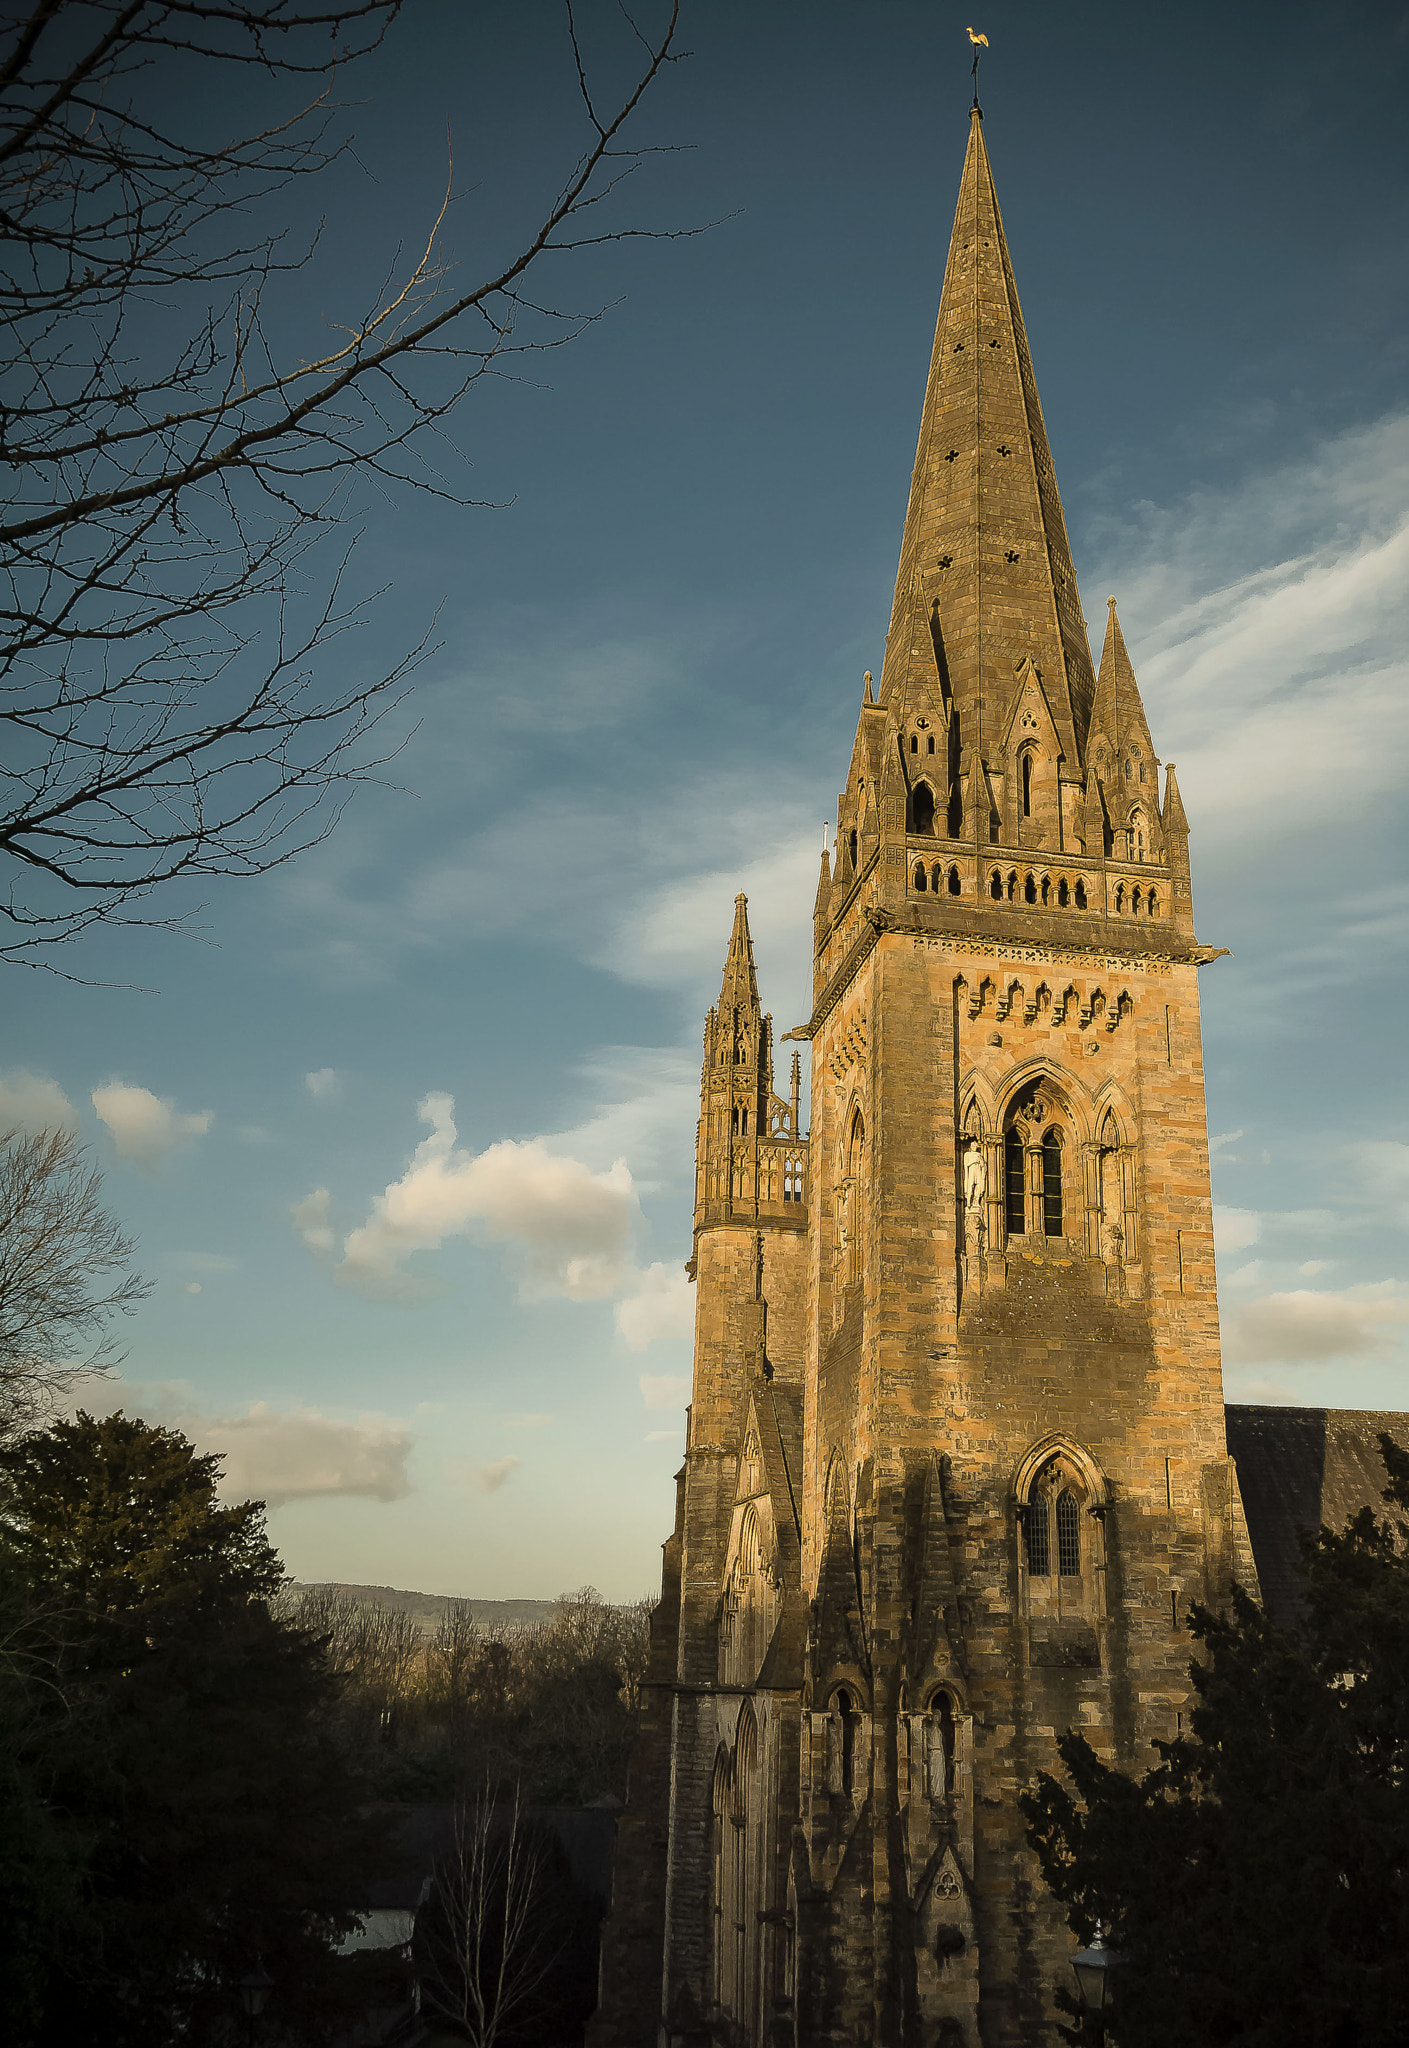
30 1103
322 1084
312 1222
662 1305
300 1454
270 1454
665 1389
1307 1327
147 1128
568 1227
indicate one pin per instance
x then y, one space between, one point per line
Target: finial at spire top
980 43
1111 602
866 679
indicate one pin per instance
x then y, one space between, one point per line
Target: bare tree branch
172 480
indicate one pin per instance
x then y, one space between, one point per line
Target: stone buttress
957 1459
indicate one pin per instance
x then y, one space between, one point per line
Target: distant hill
428 1608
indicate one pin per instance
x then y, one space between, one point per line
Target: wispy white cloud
147 1128
312 1219
488 1478
28 1102
1269 625
323 1084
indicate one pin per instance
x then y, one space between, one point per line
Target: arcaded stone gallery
958 1457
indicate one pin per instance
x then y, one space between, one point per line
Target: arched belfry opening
922 809
1038 1140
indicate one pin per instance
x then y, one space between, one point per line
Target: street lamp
1092 1968
254 1989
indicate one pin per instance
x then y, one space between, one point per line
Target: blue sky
462 1367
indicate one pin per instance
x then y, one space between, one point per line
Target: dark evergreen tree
1257 1879
184 1808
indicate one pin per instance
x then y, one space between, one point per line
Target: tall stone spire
739 990
739 1113
985 578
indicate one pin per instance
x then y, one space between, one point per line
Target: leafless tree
65 1273
176 466
492 1938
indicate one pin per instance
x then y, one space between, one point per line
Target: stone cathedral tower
957 1458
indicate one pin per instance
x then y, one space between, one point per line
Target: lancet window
854 1197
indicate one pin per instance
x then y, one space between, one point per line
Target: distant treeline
429 1609
432 1712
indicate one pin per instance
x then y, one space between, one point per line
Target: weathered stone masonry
957 1458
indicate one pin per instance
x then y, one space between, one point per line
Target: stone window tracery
1061 1505
1036 1131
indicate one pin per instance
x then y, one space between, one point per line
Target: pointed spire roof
1173 819
985 575
739 989
1119 712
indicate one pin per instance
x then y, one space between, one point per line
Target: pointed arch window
854 1201
923 808
914 743
920 881
1027 785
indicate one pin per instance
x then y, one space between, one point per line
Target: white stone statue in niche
975 1175
1112 1238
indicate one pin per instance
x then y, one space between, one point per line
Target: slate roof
1302 1468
